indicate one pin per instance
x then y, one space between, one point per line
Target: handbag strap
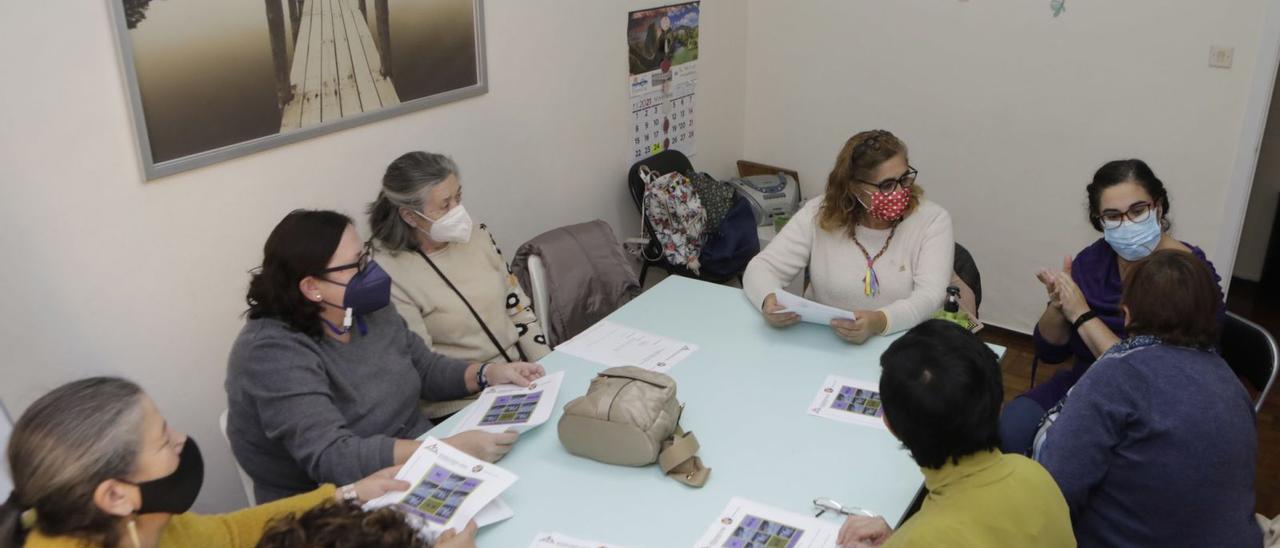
474 314
679 460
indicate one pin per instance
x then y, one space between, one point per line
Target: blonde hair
861 155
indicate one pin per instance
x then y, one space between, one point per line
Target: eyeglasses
889 185
824 504
1137 213
361 263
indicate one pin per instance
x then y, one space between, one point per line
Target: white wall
1008 111
107 274
1262 201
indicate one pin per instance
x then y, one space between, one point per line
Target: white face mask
454 226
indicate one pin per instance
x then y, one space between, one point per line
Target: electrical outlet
635 246
1221 56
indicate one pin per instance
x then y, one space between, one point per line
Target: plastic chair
538 289
663 162
1252 353
967 270
245 480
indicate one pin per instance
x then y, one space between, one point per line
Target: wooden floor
337 70
1016 365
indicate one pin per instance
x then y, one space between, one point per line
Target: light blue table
745 393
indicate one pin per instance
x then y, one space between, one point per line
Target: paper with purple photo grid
510 407
849 400
448 488
745 523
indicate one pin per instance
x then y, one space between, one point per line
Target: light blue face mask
1134 241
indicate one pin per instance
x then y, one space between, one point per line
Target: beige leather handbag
630 416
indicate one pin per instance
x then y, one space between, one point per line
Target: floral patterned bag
674 211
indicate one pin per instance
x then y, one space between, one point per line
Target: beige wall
106 274
1008 111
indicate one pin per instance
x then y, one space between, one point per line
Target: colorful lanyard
870 283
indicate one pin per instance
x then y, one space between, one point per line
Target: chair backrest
6 430
1252 353
662 163
538 288
245 481
967 270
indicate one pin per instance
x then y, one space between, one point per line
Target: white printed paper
557 540
614 345
494 512
810 311
849 400
510 407
745 524
449 488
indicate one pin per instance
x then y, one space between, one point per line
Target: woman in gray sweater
324 380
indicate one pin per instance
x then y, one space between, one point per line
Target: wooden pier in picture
337 70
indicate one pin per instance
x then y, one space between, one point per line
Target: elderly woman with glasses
1083 317
324 380
871 245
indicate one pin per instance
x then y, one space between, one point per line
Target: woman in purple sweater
1130 206
1156 445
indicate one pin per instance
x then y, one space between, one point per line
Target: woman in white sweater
872 244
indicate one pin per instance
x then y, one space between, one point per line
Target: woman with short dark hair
1130 206
324 380
1155 446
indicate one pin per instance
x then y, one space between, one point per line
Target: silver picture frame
154 170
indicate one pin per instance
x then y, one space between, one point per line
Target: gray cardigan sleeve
443 378
295 405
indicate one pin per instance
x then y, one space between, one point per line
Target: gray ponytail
64 445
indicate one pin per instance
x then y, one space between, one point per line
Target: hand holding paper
812 312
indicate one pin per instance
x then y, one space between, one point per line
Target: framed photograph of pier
213 80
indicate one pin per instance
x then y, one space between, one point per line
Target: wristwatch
347 493
481 379
1083 318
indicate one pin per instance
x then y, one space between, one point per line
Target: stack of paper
849 400
557 540
510 407
614 345
810 311
745 523
449 488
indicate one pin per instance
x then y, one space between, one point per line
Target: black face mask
176 492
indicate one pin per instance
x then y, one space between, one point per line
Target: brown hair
861 155
1171 295
341 525
67 443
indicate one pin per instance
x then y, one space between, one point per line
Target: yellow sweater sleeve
242 528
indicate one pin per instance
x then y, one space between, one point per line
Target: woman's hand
860 531
379 483
868 323
486 446
1050 280
775 315
1069 294
517 373
455 539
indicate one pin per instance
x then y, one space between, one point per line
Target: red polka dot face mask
889 206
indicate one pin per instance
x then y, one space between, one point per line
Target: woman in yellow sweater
95 464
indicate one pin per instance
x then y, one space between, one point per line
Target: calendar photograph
663 64
210 81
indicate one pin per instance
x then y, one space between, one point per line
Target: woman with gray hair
449 280
96 464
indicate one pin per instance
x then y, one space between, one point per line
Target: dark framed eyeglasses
361 263
1137 213
889 185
